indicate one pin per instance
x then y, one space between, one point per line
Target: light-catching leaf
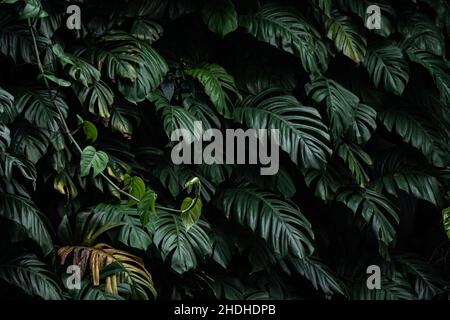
302 134
190 217
341 103
217 83
25 214
32 276
91 158
283 28
388 68
346 36
376 209
278 221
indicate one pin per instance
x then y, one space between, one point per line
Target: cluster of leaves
86 176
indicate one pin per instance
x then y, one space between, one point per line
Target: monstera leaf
439 69
319 274
138 67
341 103
217 83
375 209
302 133
283 28
346 36
415 131
388 68
40 108
278 221
32 276
181 247
24 213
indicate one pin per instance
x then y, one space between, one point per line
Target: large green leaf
388 68
11 161
105 217
146 30
99 98
138 67
33 9
122 119
30 142
438 68
365 124
17 43
40 108
396 173
428 283
376 210
217 83
79 69
32 276
320 275
25 214
346 36
415 131
181 247
421 33
283 28
357 161
360 7
302 134
178 118
341 104
279 222
175 117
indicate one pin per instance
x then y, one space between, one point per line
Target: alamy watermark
373 17
74 20
235 146
373 21
374 277
73 281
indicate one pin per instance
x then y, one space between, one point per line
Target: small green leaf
147 204
446 218
189 218
58 81
90 130
136 187
91 158
192 182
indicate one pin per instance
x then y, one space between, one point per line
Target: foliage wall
86 176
